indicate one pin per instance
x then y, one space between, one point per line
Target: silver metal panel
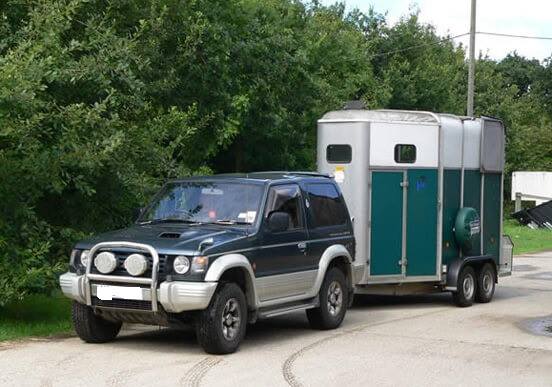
451 137
472 141
492 146
384 136
285 285
383 115
180 296
354 184
440 179
482 212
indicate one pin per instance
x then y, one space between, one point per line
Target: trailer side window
339 153
405 153
326 207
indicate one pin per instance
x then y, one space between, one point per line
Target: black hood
168 238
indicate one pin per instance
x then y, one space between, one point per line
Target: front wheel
221 327
91 327
333 297
466 285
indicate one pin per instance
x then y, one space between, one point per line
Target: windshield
206 202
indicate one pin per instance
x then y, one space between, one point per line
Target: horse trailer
425 194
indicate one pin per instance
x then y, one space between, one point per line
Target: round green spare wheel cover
467 228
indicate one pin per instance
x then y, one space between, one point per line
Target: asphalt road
415 340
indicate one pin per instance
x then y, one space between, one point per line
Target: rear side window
339 153
326 207
405 153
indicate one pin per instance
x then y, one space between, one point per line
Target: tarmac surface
388 341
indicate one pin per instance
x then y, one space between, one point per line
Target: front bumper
175 297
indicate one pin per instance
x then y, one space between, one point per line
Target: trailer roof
381 115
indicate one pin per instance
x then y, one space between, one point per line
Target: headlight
199 264
181 264
74 255
84 257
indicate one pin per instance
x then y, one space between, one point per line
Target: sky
526 17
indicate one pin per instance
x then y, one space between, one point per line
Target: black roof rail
299 173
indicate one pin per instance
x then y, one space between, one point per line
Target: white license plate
108 292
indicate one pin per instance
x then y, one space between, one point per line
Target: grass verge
527 240
36 315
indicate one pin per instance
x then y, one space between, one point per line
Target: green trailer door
386 224
421 227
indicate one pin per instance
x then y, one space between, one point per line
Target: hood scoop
170 235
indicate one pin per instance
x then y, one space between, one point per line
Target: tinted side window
325 205
405 153
286 198
339 153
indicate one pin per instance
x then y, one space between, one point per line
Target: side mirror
278 221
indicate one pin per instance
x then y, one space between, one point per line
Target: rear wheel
485 284
466 285
333 296
92 328
221 327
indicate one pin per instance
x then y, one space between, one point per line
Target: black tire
327 315
485 284
466 286
213 334
92 328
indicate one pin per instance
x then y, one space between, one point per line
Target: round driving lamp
136 264
105 262
181 264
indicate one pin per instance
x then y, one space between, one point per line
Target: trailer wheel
466 287
485 284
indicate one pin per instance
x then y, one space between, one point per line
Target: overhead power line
515 36
419 45
456 37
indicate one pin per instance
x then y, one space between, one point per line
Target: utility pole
471 64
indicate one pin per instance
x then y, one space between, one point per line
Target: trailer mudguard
455 267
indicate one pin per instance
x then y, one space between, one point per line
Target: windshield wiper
230 222
170 220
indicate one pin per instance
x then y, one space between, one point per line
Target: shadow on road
282 329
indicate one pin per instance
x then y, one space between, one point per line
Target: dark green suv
219 252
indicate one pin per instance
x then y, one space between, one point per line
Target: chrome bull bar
88 276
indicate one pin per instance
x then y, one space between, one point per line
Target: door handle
302 246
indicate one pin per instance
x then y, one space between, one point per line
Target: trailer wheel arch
455 267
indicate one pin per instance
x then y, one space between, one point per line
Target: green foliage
103 100
36 315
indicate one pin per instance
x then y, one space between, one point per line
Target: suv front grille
122 304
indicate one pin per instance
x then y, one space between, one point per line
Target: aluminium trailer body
425 193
